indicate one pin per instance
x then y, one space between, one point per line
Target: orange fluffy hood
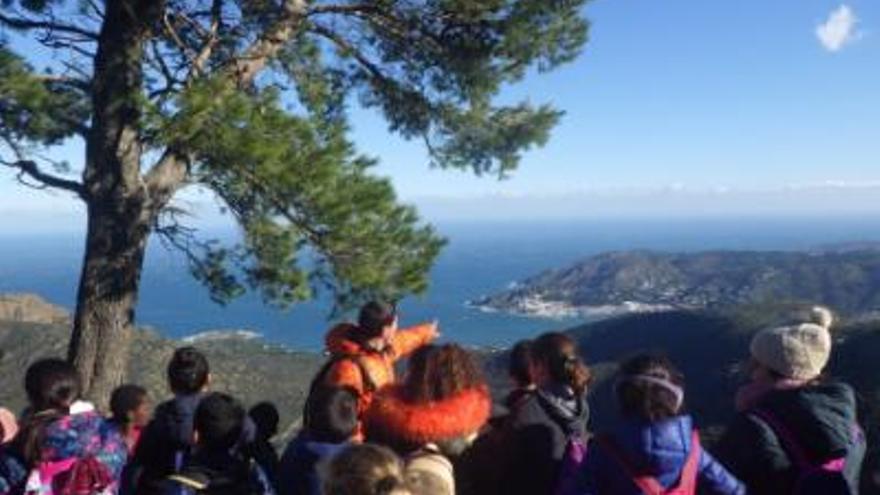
390 416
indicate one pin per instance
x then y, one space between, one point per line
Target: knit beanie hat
799 351
8 425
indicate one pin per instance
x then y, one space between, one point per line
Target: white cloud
839 29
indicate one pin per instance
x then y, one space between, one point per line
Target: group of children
435 431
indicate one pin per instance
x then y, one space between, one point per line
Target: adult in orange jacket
363 355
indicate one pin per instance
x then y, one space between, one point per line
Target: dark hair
188 371
126 398
643 399
374 317
333 414
520 366
365 469
52 385
558 353
219 421
437 372
265 417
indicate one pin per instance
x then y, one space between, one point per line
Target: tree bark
108 290
120 210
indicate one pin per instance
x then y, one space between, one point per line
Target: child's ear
208 381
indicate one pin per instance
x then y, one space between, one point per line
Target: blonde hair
365 469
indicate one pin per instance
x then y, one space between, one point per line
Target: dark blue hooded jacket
661 449
298 474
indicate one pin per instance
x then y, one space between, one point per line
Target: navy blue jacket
298 472
660 449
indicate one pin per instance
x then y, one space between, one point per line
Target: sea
482 257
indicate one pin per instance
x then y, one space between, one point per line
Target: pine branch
349 49
25 23
29 169
246 67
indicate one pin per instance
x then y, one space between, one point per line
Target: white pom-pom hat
800 351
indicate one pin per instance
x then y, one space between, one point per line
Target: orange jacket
379 365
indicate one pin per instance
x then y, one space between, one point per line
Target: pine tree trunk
108 291
120 208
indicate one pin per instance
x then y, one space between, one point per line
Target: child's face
140 416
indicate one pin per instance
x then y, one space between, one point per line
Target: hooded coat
541 426
660 450
298 473
422 430
823 419
342 341
79 436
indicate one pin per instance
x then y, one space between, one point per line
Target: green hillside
248 369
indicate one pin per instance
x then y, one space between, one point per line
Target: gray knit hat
799 351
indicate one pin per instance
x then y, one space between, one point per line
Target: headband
672 388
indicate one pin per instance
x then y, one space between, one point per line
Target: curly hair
437 372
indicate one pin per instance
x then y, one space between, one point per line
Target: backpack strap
649 485
786 437
196 483
687 481
369 384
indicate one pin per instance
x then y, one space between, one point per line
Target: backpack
812 478
74 476
687 481
320 380
194 483
569 470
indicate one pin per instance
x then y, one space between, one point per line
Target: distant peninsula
844 277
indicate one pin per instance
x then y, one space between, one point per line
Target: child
546 420
364 470
654 446
363 355
333 421
788 411
483 468
167 440
434 415
216 467
56 450
130 408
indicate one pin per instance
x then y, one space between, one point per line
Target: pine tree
249 99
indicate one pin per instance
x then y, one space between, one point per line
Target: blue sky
675 108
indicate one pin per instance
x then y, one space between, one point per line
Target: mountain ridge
845 278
